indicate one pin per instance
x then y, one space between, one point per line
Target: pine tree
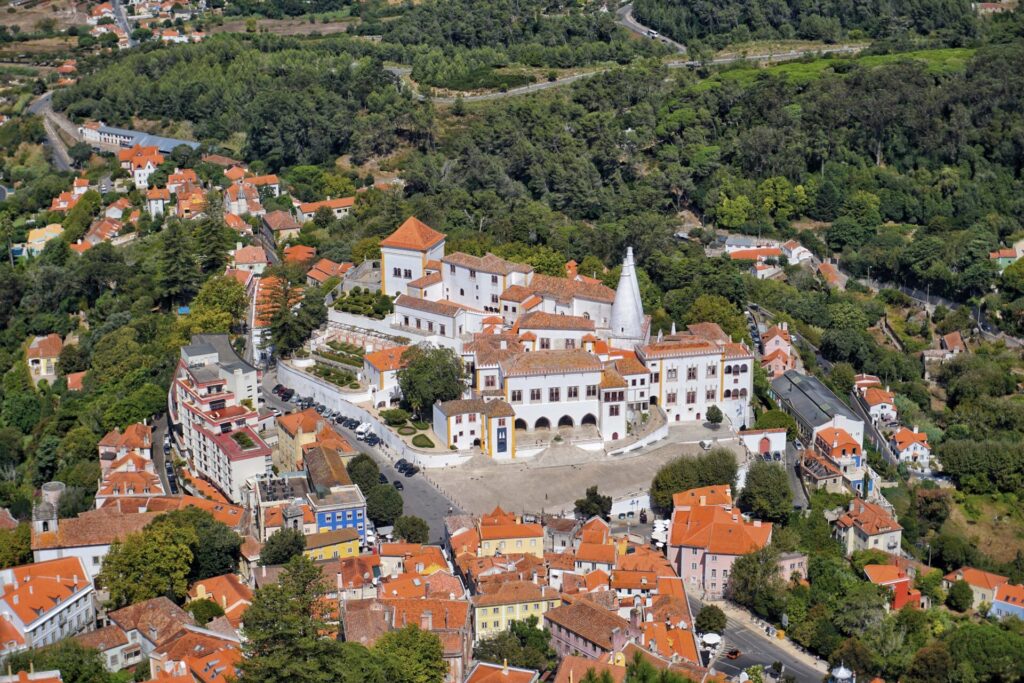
177 272
213 240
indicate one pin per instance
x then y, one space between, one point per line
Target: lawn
993 523
803 72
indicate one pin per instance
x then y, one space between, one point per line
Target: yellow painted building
511 538
294 431
511 601
328 545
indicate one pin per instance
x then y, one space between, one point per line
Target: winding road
43 107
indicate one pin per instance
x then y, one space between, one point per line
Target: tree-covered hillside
295 101
719 23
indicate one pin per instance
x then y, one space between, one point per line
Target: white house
911 446
881 405
867 526
795 252
404 255
44 602
380 371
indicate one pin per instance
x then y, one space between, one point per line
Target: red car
733 654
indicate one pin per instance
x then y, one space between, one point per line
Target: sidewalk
748 620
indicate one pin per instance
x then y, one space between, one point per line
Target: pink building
704 541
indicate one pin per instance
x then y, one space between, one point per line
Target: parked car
401 462
733 654
399 486
706 445
411 470
382 479
278 388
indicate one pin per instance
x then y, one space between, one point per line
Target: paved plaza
557 477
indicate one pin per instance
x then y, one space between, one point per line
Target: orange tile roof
427 560
884 574
299 253
129 483
250 255
870 518
156 619
399 549
273 517
413 234
105 638
836 439
875 396
574 669
49 346
755 254
494 532
1010 593
977 578
227 591
93 527
40 587
589 621
305 421
905 438
603 553
489 263
312 207
596 580
671 642
707 495
513 593
718 531
76 380
358 572
386 360
445 614
437 584
516 293
830 273
467 541
551 362
563 289
485 672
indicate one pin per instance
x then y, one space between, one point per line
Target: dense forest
294 101
719 23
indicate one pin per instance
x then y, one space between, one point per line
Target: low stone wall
327 394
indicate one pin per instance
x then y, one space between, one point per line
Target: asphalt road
420 497
159 430
122 21
756 648
41 107
624 18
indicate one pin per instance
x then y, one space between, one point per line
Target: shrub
421 425
406 430
422 441
395 417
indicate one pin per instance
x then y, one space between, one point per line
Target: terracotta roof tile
589 621
413 234
551 362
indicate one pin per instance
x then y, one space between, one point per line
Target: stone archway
542 423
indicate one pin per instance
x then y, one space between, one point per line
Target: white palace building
546 352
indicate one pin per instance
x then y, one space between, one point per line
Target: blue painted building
1008 601
341 507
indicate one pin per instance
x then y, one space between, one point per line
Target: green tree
717 309
77 664
960 596
710 619
80 152
776 419
204 610
841 378
714 415
754 583
412 529
932 664
223 294
282 546
218 549
593 504
717 466
16 546
363 472
149 564
177 271
383 505
285 627
766 494
410 655
524 644
430 374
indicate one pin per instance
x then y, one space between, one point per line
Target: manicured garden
364 302
334 375
344 353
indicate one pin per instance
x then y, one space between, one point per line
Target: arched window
728 392
728 369
743 393
743 368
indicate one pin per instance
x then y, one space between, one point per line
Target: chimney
757 523
634 618
426 621
238 245
915 429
